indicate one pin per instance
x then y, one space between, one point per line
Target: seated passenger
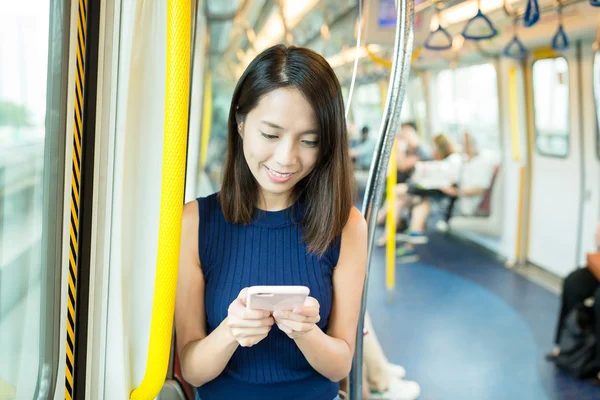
409 151
446 162
284 216
578 286
362 153
475 177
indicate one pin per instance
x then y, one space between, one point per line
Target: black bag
578 343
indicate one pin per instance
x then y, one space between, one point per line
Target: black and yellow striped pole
75 198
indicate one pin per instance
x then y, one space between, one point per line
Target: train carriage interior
471 263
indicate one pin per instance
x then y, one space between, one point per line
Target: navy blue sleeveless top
269 251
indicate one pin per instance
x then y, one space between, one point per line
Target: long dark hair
329 190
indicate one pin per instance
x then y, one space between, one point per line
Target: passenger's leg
419 215
418 222
382 377
382 214
375 361
578 286
400 200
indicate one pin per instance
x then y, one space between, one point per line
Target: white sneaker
398 390
397 370
442 226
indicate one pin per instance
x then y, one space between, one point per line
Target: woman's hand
247 326
299 321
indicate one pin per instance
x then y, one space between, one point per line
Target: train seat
488 219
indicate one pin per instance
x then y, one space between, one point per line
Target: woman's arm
202 357
331 353
472 191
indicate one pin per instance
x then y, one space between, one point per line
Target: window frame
539 151
596 97
57 115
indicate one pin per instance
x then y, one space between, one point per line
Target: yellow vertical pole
516 151
390 264
390 281
514 113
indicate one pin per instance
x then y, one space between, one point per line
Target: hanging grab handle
532 13
434 43
515 48
489 32
171 199
440 39
560 42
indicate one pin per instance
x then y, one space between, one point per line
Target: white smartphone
276 298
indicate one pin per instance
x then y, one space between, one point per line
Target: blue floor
465 327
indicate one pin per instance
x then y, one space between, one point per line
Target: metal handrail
377 174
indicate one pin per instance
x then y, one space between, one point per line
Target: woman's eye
270 137
311 143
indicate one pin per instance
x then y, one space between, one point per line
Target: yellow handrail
388 64
206 119
390 265
390 222
171 199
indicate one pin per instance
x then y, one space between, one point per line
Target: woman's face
281 144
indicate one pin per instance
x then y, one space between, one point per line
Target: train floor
465 327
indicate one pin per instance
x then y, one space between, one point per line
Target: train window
408 113
551 106
467 101
415 93
29 149
367 108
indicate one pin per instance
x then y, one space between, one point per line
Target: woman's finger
236 322
249 332
306 311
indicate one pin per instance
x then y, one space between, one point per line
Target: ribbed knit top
269 251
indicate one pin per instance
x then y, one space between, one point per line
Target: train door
556 167
590 82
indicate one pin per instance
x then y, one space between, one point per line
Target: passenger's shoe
596 380
406 255
396 370
442 226
398 390
552 356
412 237
382 240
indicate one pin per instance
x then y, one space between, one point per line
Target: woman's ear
240 124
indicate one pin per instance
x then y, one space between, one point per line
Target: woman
284 216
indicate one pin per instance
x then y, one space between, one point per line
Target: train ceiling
240 28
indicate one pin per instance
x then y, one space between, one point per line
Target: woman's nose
285 153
